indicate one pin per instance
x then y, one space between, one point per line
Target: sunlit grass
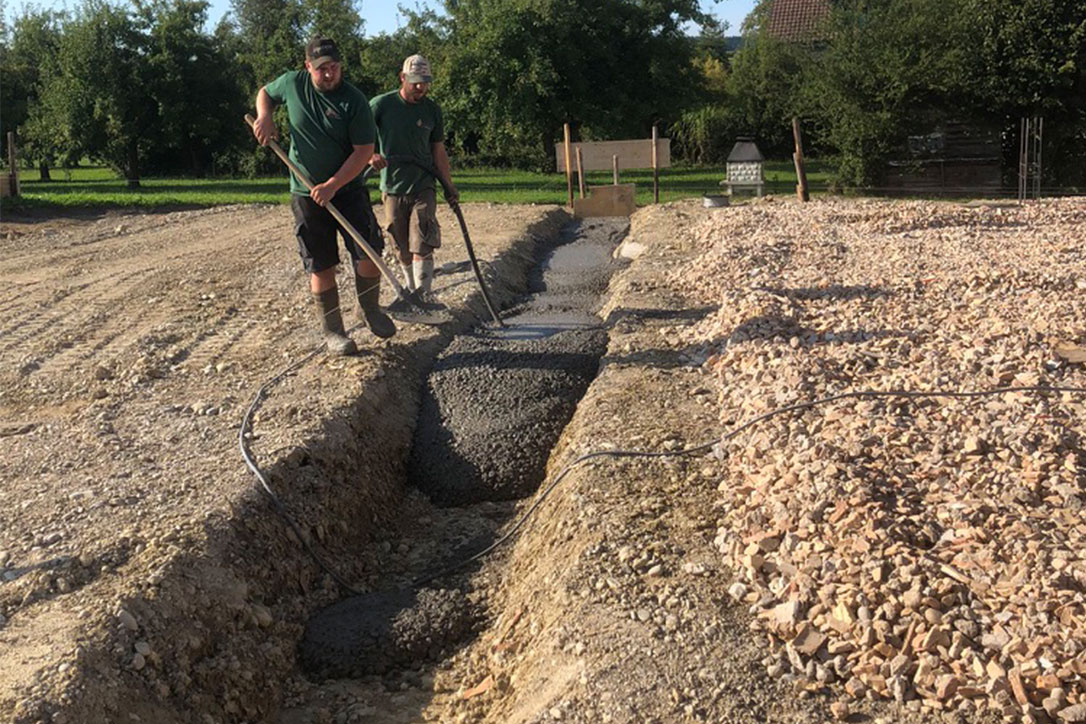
89 186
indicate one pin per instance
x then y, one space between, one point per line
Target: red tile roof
797 19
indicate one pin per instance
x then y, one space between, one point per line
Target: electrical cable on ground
707 446
617 453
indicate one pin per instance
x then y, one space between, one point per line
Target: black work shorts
316 228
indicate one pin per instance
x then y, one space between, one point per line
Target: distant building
798 20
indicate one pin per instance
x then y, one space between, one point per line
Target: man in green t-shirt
331 140
410 124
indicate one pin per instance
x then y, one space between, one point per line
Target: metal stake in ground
411 298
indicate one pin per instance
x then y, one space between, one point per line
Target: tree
93 102
271 37
198 111
30 52
519 69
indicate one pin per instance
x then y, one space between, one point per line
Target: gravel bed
928 550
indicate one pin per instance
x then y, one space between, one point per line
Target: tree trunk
550 165
132 170
43 169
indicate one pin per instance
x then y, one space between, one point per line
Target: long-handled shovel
419 313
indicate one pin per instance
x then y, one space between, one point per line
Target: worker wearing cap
409 124
331 140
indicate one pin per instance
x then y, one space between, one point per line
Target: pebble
127 620
1073 714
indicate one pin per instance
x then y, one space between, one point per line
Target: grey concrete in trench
495 403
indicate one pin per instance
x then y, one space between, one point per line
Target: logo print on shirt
331 113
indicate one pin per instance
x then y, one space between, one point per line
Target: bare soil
144 577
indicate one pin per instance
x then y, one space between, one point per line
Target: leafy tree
518 69
24 58
198 111
1029 59
271 37
93 102
888 72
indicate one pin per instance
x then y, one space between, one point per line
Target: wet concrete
496 402
494 405
379 631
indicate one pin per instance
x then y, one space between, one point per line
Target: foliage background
144 88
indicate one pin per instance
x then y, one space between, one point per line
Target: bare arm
264 129
322 193
444 171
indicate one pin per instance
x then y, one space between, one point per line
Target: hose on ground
715 442
246 424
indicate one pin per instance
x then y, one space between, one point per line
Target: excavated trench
494 405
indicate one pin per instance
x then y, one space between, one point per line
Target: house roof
797 19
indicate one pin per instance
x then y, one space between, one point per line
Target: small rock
138 662
1073 714
127 620
262 616
840 710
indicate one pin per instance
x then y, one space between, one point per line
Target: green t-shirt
406 129
324 127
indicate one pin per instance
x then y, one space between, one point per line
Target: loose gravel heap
930 550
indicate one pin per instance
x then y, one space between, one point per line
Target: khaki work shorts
412 221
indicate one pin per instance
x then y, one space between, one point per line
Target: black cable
728 436
280 507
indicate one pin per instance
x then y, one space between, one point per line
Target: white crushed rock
930 551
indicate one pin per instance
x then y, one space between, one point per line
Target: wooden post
569 169
580 171
614 168
801 175
13 164
655 168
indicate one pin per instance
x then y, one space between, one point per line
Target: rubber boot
369 294
335 338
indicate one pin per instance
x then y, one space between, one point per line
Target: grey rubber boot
335 338
369 295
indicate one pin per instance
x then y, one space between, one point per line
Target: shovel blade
410 308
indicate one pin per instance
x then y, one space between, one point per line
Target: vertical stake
569 168
655 168
797 157
614 168
580 171
13 164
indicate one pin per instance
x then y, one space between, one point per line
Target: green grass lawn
100 187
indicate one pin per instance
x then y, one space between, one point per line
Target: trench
492 407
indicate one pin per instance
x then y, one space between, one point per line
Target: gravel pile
929 550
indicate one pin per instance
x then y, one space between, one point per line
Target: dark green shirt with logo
406 129
324 127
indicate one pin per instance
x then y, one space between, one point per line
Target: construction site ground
886 559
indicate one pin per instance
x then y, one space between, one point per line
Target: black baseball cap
319 51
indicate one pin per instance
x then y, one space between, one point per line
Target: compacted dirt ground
870 559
